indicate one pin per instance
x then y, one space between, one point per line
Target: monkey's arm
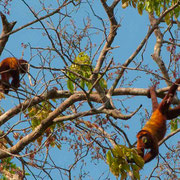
152 153
153 98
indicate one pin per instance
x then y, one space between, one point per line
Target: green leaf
123 175
82 83
70 85
148 6
125 5
140 8
134 4
52 143
103 83
138 160
118 151
35 122
174 124
109 158
177 12
167 18
114 168
89 85
136 175
126 166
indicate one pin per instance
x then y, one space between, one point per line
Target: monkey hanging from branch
155 128
12 68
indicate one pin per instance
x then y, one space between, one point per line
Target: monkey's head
145 139
23 66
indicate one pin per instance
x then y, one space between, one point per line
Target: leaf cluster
7 165
37 114
82 68
174 124
154 6
123 160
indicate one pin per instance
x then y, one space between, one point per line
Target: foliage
83 69
174 124
66 43
38 113
123 160
6 165
153 6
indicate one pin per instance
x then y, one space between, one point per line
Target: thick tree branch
157 49
110 38
39 130
7 28
53 94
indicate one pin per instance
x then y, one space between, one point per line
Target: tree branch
130 59
156 56
113 31
53 94
7 28
168 136
35 21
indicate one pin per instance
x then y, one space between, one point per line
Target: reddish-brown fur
155 129
11 68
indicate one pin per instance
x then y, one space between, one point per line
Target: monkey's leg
173 113
4 84
15 81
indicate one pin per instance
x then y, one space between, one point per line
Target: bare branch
35 21
168 136
113 31
118 115
156 56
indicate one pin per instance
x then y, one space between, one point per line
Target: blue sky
132 31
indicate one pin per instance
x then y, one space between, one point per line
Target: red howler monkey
155 129
11 68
